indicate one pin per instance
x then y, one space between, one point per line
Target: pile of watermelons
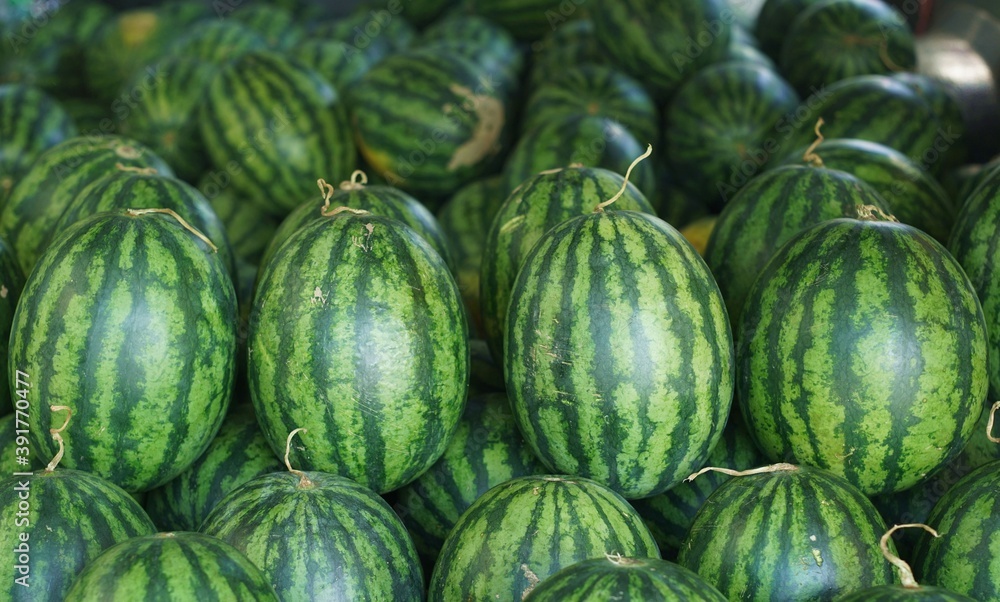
395 304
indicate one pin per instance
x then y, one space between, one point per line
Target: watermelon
447 123
271 127
590 140
485 451
11 283
274 24
862 350
663 43
386 201
624 579
336 61
318 536
248 228
358 333
465 222
837 39
524 530
974 244
773 22
31 122
124 189
36 204
965 558
58 522
914 196
792 533
594 90
713 148
167 118
171 566
767 212
237 454
215 41
540 203
618 353
669 514
107 297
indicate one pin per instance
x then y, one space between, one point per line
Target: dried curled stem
874 214
358 181
181 220
905 572
783 466
56 434
810 155
303 479
600 206
143 171
989 423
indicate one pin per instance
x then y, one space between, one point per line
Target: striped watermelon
618 354
797 533
36 204
465 222
524 530
237 454
669 514
663 43
380 200
271 127
837 39
485 451
767 212
374 326
965 559
11 283
143 322
216 41
914 196
862 350
320 537
167 118
715 148
171 566
447 122
589 140
128 189
974 244
540 203
68 518
773 22
624 580
248 228
275 24
31 122
597 90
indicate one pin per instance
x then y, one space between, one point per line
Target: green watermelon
335 60
669 514
276 25
862 350
626 580
447 123
974 244
271 127
837 39
914 196
171 566
215 41
248 228
767 212
597 90
542 202
36 204
773 22
485 451
965 558
663 43
796 533
124 189
358 333
318 536
465 222
11 283
58 522
714 148
237 454
143 322
31 122
524 530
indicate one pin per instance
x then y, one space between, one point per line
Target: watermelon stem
357 181
173 214
326 190
58 437
743 473
600 206
989 424
304 480
875 214
344 208
810 155
143 171
905 572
